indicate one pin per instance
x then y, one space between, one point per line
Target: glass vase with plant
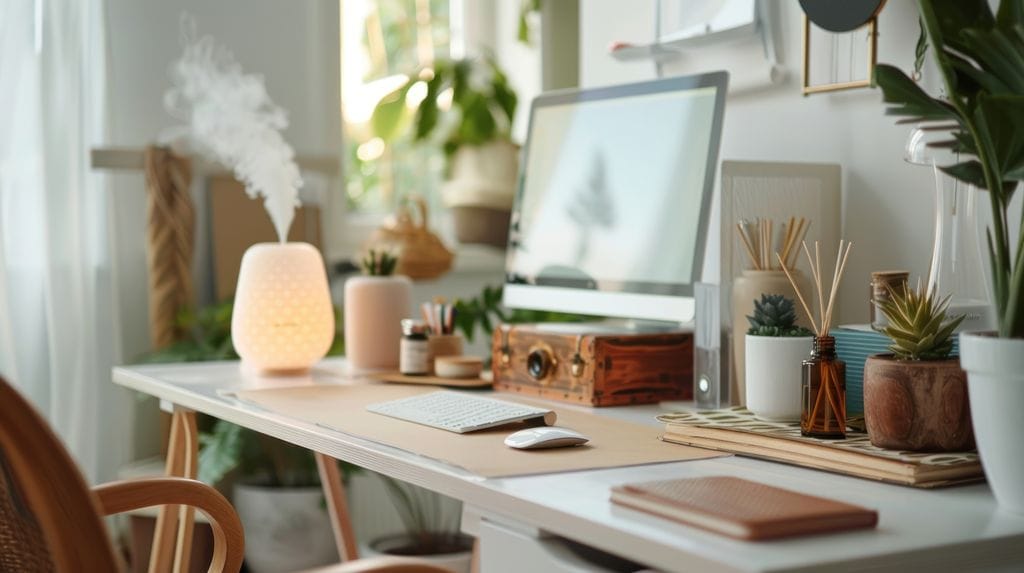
915 397
980 57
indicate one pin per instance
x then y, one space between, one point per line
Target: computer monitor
615 184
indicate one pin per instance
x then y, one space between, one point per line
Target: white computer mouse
545 437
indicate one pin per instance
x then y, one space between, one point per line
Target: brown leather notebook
742 509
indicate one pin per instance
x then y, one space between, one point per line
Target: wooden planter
917 406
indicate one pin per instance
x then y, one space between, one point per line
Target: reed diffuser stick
799 295
748 245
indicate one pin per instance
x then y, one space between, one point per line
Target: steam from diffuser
231 117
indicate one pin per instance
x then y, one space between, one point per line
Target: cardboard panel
238 222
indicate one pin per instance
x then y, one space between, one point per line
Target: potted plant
375 304
276 486
431 527
468 107
916 397
277 494
980 55
775 349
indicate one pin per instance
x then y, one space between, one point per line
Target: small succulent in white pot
775 348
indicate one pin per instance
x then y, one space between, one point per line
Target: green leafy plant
482 102
224 447
379 263
918 325
775 315
981 58
485 310
431 520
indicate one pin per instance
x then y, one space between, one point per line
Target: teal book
854 343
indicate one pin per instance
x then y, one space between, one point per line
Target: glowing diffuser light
283 319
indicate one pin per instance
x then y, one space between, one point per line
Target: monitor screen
613 199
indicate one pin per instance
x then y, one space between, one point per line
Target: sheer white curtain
58 329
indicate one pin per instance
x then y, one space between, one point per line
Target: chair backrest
55 522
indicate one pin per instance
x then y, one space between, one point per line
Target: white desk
951 529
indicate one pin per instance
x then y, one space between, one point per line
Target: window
381 42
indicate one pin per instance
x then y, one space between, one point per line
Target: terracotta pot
917 405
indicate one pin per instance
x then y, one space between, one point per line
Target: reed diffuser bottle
823 392
823 375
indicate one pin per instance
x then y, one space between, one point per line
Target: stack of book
738 431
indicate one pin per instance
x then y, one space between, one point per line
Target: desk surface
950 529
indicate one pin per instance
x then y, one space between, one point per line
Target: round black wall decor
841 15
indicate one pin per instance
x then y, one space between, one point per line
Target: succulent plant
379 263
918 325
775 315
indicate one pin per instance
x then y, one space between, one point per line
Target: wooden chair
50 520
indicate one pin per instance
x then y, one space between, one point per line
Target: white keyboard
459 412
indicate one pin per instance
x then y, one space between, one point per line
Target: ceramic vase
286 529
283 319
745 289
995 384
773 375
917 405
374 309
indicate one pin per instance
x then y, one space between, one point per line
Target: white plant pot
374 309
773 375
286 529
995 384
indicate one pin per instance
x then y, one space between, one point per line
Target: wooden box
595 369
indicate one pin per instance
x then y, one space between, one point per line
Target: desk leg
337 506
181 462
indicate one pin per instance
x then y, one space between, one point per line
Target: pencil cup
443 345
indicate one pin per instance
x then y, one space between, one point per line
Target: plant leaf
221 452
908 98
388 115
968 172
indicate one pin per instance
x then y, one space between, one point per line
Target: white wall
887 202
293 43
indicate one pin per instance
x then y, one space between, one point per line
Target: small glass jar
823 392
881 283
414 355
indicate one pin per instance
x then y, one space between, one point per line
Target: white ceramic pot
286 529
747 288
374 309
995 384
773 375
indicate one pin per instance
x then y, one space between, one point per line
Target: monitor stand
614 326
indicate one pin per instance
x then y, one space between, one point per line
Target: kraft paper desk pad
613 443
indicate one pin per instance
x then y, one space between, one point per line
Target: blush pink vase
374 309
283 319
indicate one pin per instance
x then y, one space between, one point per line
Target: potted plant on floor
431 522
775 349
980 56
277 495
468 106
275 484
916 397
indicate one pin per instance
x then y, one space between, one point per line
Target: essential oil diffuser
283 319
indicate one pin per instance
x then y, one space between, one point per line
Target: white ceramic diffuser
283 319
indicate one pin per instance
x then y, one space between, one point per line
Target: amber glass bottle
823 392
